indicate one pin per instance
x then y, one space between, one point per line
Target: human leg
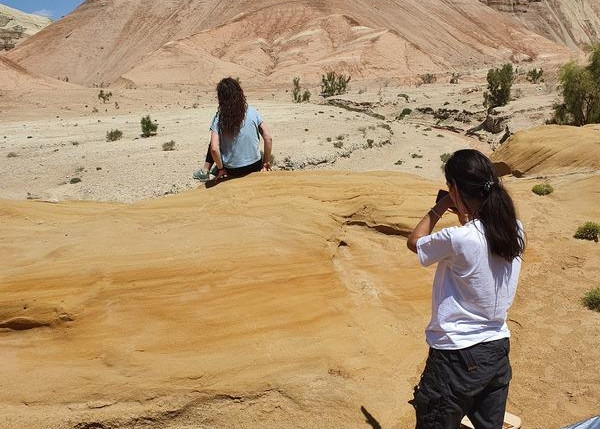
243 171
472 382
489 406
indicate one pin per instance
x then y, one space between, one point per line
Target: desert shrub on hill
535 75
592 299
500 81
588 231
580 91
428 78
12 155
104 96
297 93
542 189
334 84
455 79
114 135
148 127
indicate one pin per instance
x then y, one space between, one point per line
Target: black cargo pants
472 382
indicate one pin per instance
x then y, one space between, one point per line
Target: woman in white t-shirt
468 369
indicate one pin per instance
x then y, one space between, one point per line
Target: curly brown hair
232 106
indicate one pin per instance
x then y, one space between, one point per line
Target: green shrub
500 83
542 189
445 157
399 162
296 90
306 96
334 84
592 299
455 79
405 112
580 87
428 78
12 155
168 146
588 231
338 144
114 135
340 137
74 180
535 76
148 127
416 156
104 96
329 139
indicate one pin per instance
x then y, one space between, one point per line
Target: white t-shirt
472 289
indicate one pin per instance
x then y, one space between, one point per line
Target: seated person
235 136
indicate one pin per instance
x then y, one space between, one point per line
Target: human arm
215 151
426 225
268 140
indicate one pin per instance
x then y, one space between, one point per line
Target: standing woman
468 369
235 136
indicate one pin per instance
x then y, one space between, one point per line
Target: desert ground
134 297
135 316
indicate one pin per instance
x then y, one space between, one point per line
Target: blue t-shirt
242 149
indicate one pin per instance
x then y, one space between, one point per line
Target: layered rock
266 42
16 26
572 23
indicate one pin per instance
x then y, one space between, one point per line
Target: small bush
416 156
340 137
399 162
500 83
535 76
338 144
296 90
74 180
455 79
148 127
445 157
542 189
370 142
334 84
104 96
428 78
405 112
114 135
168 146
588 231
329 139
12 155
592 299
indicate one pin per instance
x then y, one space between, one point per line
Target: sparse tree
297 93
535 76
334 84
500 83
581 93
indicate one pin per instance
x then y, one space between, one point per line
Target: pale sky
54 9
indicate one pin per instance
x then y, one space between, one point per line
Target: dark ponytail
475 178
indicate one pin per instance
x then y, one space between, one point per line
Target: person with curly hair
235 136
